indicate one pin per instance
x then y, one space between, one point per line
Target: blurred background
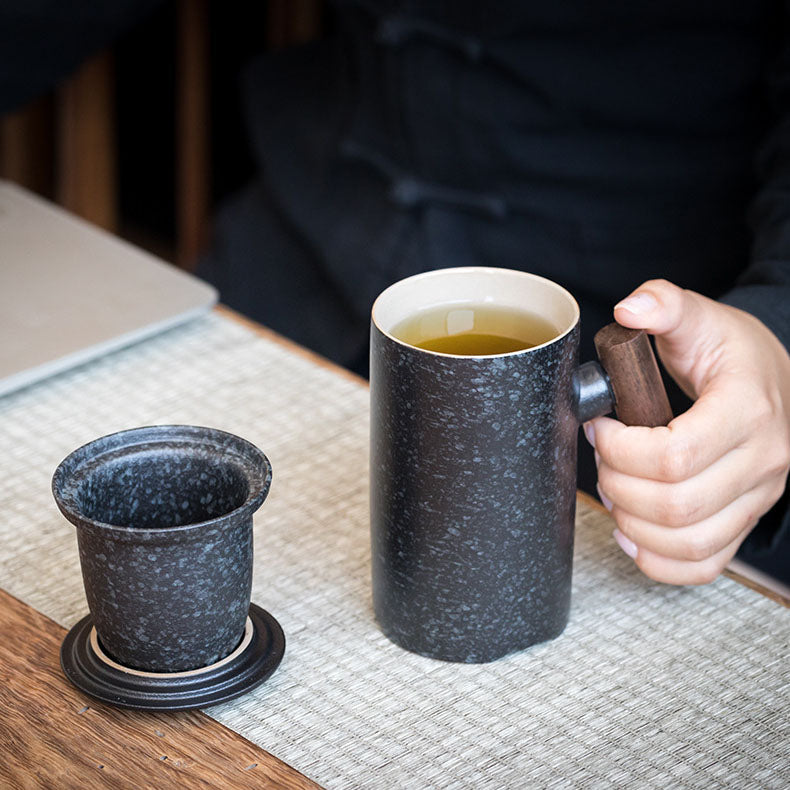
146 137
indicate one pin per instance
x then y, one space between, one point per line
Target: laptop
70 292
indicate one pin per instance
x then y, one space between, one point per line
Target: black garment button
396 31
409 192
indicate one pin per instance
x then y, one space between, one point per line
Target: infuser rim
74 469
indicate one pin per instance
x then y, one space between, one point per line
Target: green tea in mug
474 329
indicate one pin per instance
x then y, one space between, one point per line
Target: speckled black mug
164 529
473 471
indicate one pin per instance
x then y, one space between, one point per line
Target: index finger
689 444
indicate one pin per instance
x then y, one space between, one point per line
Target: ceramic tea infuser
164 529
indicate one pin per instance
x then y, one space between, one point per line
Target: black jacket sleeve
764 287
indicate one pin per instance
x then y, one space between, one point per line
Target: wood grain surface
628 359
53 736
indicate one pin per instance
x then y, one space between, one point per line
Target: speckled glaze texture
473 470
164 528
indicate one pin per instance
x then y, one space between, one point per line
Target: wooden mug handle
628 359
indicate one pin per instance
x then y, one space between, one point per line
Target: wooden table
51 735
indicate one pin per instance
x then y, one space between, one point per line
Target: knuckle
776 490
782 459
625 522
607 446
704 572
687 573
676 509
677 462
776 462
766 410
761 410
698 546
658 282
775 457
627 525
605 477
703 575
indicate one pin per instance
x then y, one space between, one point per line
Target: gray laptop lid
70 292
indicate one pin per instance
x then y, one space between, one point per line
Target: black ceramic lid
254 660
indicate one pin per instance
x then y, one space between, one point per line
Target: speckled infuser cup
164 529
473 471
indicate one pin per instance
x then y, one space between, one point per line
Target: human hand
686 496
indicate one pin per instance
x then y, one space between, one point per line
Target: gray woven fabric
649 686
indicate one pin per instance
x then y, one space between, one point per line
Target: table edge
275 772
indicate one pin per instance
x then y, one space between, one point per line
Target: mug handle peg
628 359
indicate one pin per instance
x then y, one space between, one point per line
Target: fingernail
626 544
589 432
638 303
607 503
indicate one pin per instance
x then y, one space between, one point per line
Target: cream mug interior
504 288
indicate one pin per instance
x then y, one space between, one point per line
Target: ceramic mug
164 530
473 466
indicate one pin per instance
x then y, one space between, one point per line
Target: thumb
680 320
674 315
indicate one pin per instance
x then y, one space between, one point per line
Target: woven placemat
649 686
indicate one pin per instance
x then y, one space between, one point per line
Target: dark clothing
599 145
